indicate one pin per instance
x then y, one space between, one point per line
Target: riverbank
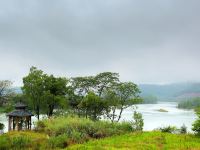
152 118
72 132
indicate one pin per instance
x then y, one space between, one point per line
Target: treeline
90 96
191 103
149 99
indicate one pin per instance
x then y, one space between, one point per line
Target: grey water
155 119
152 117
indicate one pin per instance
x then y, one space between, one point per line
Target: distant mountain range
165 92
171 91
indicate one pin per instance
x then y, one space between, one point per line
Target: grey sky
155 41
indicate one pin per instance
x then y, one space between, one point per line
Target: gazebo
20 118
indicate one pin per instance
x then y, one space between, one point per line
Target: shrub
4 142
20 142
60 141
196 124
138 121
81 129
2 126
168 129
183 129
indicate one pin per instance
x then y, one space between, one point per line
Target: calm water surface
152 117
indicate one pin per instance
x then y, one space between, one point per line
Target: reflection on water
152 117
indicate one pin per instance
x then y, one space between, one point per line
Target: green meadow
143 141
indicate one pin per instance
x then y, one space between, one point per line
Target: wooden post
17 123
13 123
9 123
30 123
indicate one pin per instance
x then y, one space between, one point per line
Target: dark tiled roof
20 113
20 105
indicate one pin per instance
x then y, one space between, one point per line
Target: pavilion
20 118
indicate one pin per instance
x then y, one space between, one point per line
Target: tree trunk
113 115
38 112
120 114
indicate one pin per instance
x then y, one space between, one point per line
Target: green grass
22 140
143 141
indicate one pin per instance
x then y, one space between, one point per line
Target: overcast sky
146 41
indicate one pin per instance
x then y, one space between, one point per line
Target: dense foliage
196 124
82 127
90 96
44 93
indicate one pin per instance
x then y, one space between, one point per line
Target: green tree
54 93
82 85
93 106
112 101
138 121
105 81
128 95
33 89
196 124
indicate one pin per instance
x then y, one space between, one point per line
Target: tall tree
113 101
121 97
5 91
33 88
54 93
128 93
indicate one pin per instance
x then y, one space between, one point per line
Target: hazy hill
171 91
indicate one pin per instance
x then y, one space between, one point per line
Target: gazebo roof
20 113
20 105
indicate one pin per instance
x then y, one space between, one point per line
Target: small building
20 118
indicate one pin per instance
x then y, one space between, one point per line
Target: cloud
145 41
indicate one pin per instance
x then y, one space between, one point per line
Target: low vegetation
196 124
143 141
22 140
79 130
61 132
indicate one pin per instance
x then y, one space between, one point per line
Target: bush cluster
60 132
22 140
173 129
78 130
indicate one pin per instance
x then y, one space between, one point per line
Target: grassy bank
143 141
61 132
79 133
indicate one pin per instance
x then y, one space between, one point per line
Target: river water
152 117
